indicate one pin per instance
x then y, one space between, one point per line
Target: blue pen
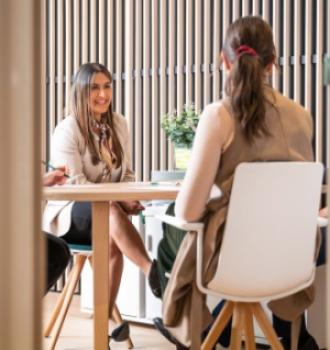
53 168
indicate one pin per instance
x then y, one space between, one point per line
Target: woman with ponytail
253 122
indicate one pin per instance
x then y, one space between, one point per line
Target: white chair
268 247
80 253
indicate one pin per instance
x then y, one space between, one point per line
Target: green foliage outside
180 127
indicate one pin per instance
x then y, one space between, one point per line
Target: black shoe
154 280
158 322
120 333
310 344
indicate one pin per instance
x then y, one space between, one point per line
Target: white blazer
68 147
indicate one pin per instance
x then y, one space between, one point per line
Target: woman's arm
129 174
65 150
214 133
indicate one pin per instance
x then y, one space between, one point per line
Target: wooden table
100 195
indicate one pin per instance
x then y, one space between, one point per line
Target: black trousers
58 253
80 231
58 257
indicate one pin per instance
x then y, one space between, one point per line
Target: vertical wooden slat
129 59
163 79
92 21
22 249
154 87
207 50
216 51
297 51
138 92
327 113
180 55
236 9
110 43
256 7
52 55
286 49
101 31
171 78
327 306
84 25
68 53
146 90
198 57
189 51
328 187
276 32
308 56
44 89
319 82
59 90
225 19
245 8
76 36
119 57
265 10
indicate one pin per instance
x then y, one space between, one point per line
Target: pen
53 168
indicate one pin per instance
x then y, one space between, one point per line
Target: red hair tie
246 49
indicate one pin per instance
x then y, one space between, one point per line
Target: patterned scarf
107 155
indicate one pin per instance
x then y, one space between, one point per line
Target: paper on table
166 183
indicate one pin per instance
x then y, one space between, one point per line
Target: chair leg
266 326
248 328
236 329
118 319
58 307
90 259
218 326
78 266
295 331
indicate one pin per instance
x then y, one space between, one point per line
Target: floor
77 331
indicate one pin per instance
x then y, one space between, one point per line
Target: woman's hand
55 177
324 212
132 207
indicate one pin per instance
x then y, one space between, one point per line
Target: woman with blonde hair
93 141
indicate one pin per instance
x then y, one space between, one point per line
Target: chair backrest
269 240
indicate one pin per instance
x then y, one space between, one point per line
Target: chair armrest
179 223
190 226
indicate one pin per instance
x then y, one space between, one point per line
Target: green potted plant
180 129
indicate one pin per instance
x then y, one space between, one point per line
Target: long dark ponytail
249 48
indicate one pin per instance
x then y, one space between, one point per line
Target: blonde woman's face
100 95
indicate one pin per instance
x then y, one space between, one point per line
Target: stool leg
295 331
266 326
78 266
218 326
118 319
236 329
58 307
248 328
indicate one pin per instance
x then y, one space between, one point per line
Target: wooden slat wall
165 53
